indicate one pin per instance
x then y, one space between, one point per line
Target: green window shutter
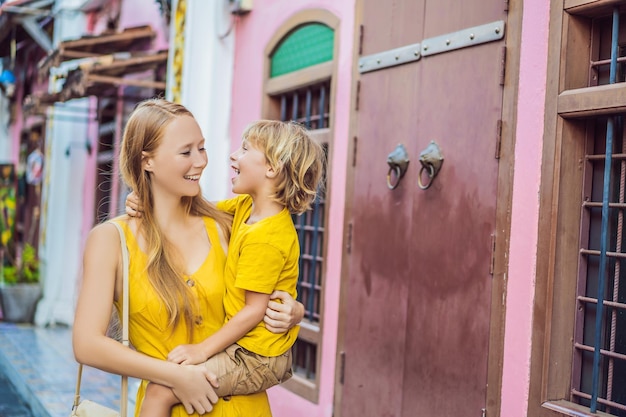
308 45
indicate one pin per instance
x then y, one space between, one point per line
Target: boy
278 169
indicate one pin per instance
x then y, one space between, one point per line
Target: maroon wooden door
418 295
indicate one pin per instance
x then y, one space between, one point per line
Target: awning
135 38
38 103
107 61
25 20
100 76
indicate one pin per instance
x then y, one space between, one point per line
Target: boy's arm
229 205
237 327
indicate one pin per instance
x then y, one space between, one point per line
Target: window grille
310 228
298 88
309 106
599 366
104 160
304 358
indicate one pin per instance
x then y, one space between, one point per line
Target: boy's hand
280 317
187 355
133 206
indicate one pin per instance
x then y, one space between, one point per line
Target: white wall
63 190
207 84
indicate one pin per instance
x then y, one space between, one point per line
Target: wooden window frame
305 388
568 102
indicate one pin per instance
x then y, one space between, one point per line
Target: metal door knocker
398 161
431 160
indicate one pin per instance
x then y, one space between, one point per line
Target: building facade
472 216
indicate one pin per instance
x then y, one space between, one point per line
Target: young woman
177 256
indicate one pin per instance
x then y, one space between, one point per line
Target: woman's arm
237 327
101 283
280 317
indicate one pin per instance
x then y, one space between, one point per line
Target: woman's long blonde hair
143 133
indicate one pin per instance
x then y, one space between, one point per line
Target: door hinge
506 9
361 29
483 412
358 95
349 239
342 366
502 65
492 262
354 145
498 138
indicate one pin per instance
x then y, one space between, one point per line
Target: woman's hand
194 388
133 206
280 317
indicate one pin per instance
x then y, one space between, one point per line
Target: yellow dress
148 320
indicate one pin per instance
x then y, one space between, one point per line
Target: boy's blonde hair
295 156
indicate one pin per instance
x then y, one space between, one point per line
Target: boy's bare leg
158 401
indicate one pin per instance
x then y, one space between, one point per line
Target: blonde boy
278 169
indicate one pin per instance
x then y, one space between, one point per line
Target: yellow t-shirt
262 257
150 334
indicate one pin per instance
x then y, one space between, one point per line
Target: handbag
87 408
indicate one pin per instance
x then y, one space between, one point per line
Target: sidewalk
40 364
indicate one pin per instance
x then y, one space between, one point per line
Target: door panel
387 26
419 286
455 220
381 260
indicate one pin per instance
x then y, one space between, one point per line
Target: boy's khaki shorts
241 372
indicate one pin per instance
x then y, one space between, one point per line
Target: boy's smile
250 167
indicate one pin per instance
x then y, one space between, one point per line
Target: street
11 404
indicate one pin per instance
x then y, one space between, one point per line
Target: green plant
26 270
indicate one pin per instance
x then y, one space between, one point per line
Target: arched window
299 86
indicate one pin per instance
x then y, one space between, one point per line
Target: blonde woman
177 258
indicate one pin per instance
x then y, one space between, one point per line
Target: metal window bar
308 106
322 107
312 275
605 223
605 255
283 107
299 222
616 156
294 108
307 112
305 359
600 400
607 353
606 302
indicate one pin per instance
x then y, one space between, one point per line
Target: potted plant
20 290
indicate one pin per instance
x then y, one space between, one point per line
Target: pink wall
145 12
253 33
522 263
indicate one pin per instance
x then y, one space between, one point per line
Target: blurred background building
472 215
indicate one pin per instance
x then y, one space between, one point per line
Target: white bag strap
125 341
